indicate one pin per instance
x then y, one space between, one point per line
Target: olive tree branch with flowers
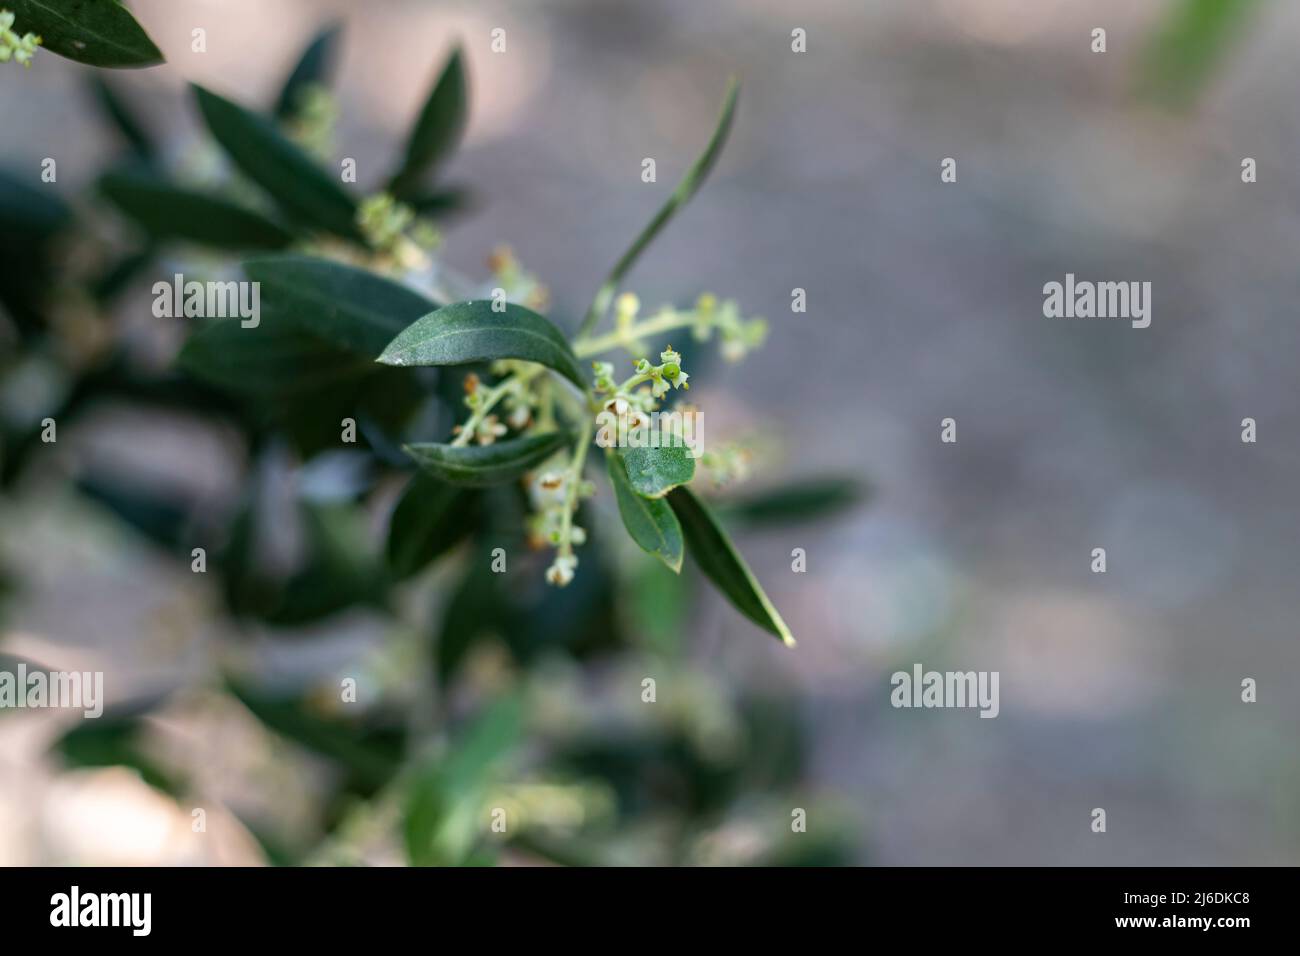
491 450
659 511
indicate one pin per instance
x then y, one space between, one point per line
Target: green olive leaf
305 192
654 471
475 466
687 188
723 565
438 129
166 211
124 118
269 359
368 749
473 331
349 307
443 203
117 739
801 501
650 521
94 32
430 519
314 67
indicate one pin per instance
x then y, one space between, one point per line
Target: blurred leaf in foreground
1189 44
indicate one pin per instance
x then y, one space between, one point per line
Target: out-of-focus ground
1120 690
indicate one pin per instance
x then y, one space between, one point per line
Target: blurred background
1119 690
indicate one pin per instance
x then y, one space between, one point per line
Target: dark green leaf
650 521
306 193
477 606
803 501
339 569
370 752
30 211
430 518
480 465
348 307
295 382
123 118
653 472
437 130
718 559
443 202
114 739
468 332
96 32
166 211
269 359
687 188
117 275
314 67
161 518
31 219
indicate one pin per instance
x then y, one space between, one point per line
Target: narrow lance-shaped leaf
123 118
654 471
268 359
720 562
687 188
371 755
166 211
113 738
30 219
650 521
806 500
160 517
305 192
437 130
473 331
348 307
95 32
475 609
479 465
115 742
117 275
315 66
438 824
441 203
430 518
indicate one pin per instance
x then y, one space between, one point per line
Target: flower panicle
20 49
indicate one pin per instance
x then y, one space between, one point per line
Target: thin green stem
571 492
632 383
587 347
494 395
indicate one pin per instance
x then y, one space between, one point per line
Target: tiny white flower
560 573
519 416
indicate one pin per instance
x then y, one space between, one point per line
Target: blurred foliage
523 698
1193 38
